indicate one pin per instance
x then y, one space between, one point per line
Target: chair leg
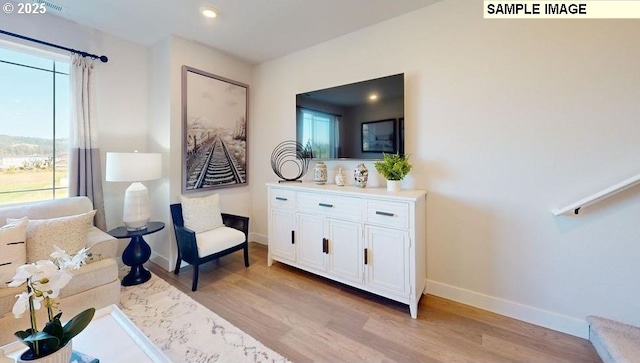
196 269
246 255
178 263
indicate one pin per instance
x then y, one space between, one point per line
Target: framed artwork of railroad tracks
215 114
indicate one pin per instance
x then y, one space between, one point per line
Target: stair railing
594 198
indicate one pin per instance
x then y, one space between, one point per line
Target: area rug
185 330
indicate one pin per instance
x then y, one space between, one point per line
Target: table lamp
134 167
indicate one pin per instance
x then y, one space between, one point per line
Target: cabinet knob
366 259
281 198
293 237
325 205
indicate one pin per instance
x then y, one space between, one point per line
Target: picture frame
379 136
215 113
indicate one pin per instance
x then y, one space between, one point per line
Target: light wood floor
311 319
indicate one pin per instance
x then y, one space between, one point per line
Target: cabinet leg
269 261
413 308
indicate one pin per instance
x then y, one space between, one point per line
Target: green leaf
77 324
24 334
54 327
45 342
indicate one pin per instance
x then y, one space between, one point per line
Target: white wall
167 60
121 88
505 120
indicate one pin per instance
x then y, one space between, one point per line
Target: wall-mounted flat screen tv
353 121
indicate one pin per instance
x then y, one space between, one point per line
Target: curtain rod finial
104 58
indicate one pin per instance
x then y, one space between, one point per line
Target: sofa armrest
102 245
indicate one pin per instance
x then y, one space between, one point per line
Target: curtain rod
103 58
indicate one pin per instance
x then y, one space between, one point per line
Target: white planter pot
62 355
393 185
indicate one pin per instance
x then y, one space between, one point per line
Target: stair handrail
596 197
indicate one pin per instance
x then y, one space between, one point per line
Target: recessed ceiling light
373 97
209 12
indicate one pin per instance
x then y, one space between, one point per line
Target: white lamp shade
133 167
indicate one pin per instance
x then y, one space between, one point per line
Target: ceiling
252 30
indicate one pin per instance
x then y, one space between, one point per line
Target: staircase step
615 342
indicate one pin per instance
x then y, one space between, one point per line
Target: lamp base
133 228
136 212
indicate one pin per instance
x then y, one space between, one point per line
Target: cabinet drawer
330 205
391 214
282 199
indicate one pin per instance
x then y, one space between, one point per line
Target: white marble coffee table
111 337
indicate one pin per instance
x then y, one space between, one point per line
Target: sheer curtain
320 130
85 171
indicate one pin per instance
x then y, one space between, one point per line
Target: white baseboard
562 323
259 238
160 261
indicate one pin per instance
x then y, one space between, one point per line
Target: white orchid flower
45 279
22 304
23 273
64 261
59 254
43 269
51 285
79 259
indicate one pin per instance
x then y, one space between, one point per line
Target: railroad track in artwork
218 167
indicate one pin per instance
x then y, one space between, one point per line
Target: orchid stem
34 324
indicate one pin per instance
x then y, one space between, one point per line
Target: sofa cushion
201 214
13 252
100 272
68 233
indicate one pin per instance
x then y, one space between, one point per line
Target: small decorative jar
361 175
340 178
320 173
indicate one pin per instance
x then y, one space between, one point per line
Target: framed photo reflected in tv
379 136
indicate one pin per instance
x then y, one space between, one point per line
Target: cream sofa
95 284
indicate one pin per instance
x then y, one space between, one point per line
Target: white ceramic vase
341 179
361 175
393 185
62 355
320 173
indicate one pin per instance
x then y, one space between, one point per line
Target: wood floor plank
308 318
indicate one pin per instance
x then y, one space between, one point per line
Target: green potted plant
393 167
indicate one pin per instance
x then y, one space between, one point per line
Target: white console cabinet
363 237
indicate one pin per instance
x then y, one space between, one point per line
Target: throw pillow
69 233
13 252
201 214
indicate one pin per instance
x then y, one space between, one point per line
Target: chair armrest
187 241
237 222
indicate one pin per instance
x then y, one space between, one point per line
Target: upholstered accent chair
196 248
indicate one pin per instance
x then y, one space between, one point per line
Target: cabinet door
281 242
310 233
387 261
345 250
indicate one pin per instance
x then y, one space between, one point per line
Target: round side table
137 252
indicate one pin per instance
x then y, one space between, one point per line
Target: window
320 130
34 125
